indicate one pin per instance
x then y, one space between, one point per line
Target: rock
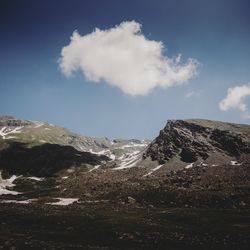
190 140
131 200
242 203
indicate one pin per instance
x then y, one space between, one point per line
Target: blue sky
32 86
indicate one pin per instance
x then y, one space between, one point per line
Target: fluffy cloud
123 57
236 98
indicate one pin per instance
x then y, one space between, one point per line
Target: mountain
187 189
43 149
36 133
185 142
193 155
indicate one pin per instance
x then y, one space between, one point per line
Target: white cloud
193 94
123 57
189 94
235 98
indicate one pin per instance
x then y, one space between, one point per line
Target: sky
121 69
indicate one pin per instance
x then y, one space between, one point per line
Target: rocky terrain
188 189
193 140
43 149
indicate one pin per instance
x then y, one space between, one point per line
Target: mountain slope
45 159
199 140
40 148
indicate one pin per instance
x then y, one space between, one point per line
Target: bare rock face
190 140
11 121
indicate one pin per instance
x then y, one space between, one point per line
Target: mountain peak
7 117
194 139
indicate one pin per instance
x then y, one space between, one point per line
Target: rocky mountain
199 141
39 148
187 153
37 133
56 186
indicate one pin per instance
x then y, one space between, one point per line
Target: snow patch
5 131
130 161
102 152
153 170
35 178
235 163
189 166
204 164
112 157
63 201
106 152
94 168
130 164
126 156
19 202
5 183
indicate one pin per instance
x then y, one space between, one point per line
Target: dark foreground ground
203 207
122 226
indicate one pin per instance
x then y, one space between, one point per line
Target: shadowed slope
44 160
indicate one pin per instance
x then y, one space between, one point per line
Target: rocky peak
190 140
11 121
7 117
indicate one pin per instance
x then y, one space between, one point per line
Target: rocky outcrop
10 121
190 140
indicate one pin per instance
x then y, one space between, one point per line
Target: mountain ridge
188 157
179 142
34 134
191 140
